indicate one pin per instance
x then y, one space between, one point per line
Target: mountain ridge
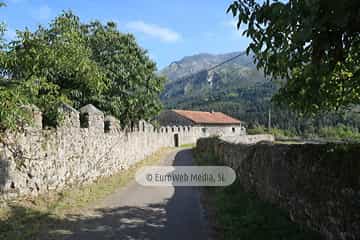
236 88
192 64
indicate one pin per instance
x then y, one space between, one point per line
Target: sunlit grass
190 145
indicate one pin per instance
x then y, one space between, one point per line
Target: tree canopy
312 45
133 88
77 63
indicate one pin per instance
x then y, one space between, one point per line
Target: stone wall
248 139
39 160
318 184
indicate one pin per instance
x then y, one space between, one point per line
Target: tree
54 65
60 55
79 64
313 45
11 98
133 88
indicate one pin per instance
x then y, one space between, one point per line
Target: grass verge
241 215
25 218
190 145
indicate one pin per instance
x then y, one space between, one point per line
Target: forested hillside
240 90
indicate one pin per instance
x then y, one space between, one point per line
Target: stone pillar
149 127
141 126
35 116
69 116
92 118
162 130
111 124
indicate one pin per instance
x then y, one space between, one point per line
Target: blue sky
168 29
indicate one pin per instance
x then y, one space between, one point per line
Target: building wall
39 160
222 130
169 117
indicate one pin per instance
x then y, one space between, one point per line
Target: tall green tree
313 45
133 89
60 55
11 98
77 63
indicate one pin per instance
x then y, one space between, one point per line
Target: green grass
242 215
190 145
339 132
25 218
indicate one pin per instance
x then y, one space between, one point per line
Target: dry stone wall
318 184
39 160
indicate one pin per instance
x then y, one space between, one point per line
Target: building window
233 129
203 130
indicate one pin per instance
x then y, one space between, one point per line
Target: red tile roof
207 117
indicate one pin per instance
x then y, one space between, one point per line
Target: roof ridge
207 117
194 111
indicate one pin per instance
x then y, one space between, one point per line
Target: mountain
235 87
239 89
192 64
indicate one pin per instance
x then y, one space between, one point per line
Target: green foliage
314 45
242 215
339 132
36 91
133 88
11 114
77 63
59 55
278 133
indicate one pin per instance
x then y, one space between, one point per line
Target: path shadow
116 223
178 217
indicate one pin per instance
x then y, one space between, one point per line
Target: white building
211 123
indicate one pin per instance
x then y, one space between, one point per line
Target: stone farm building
211 123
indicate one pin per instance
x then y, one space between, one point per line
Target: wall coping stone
110 118
67 108
89 108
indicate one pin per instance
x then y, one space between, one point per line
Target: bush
339 132
277 132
